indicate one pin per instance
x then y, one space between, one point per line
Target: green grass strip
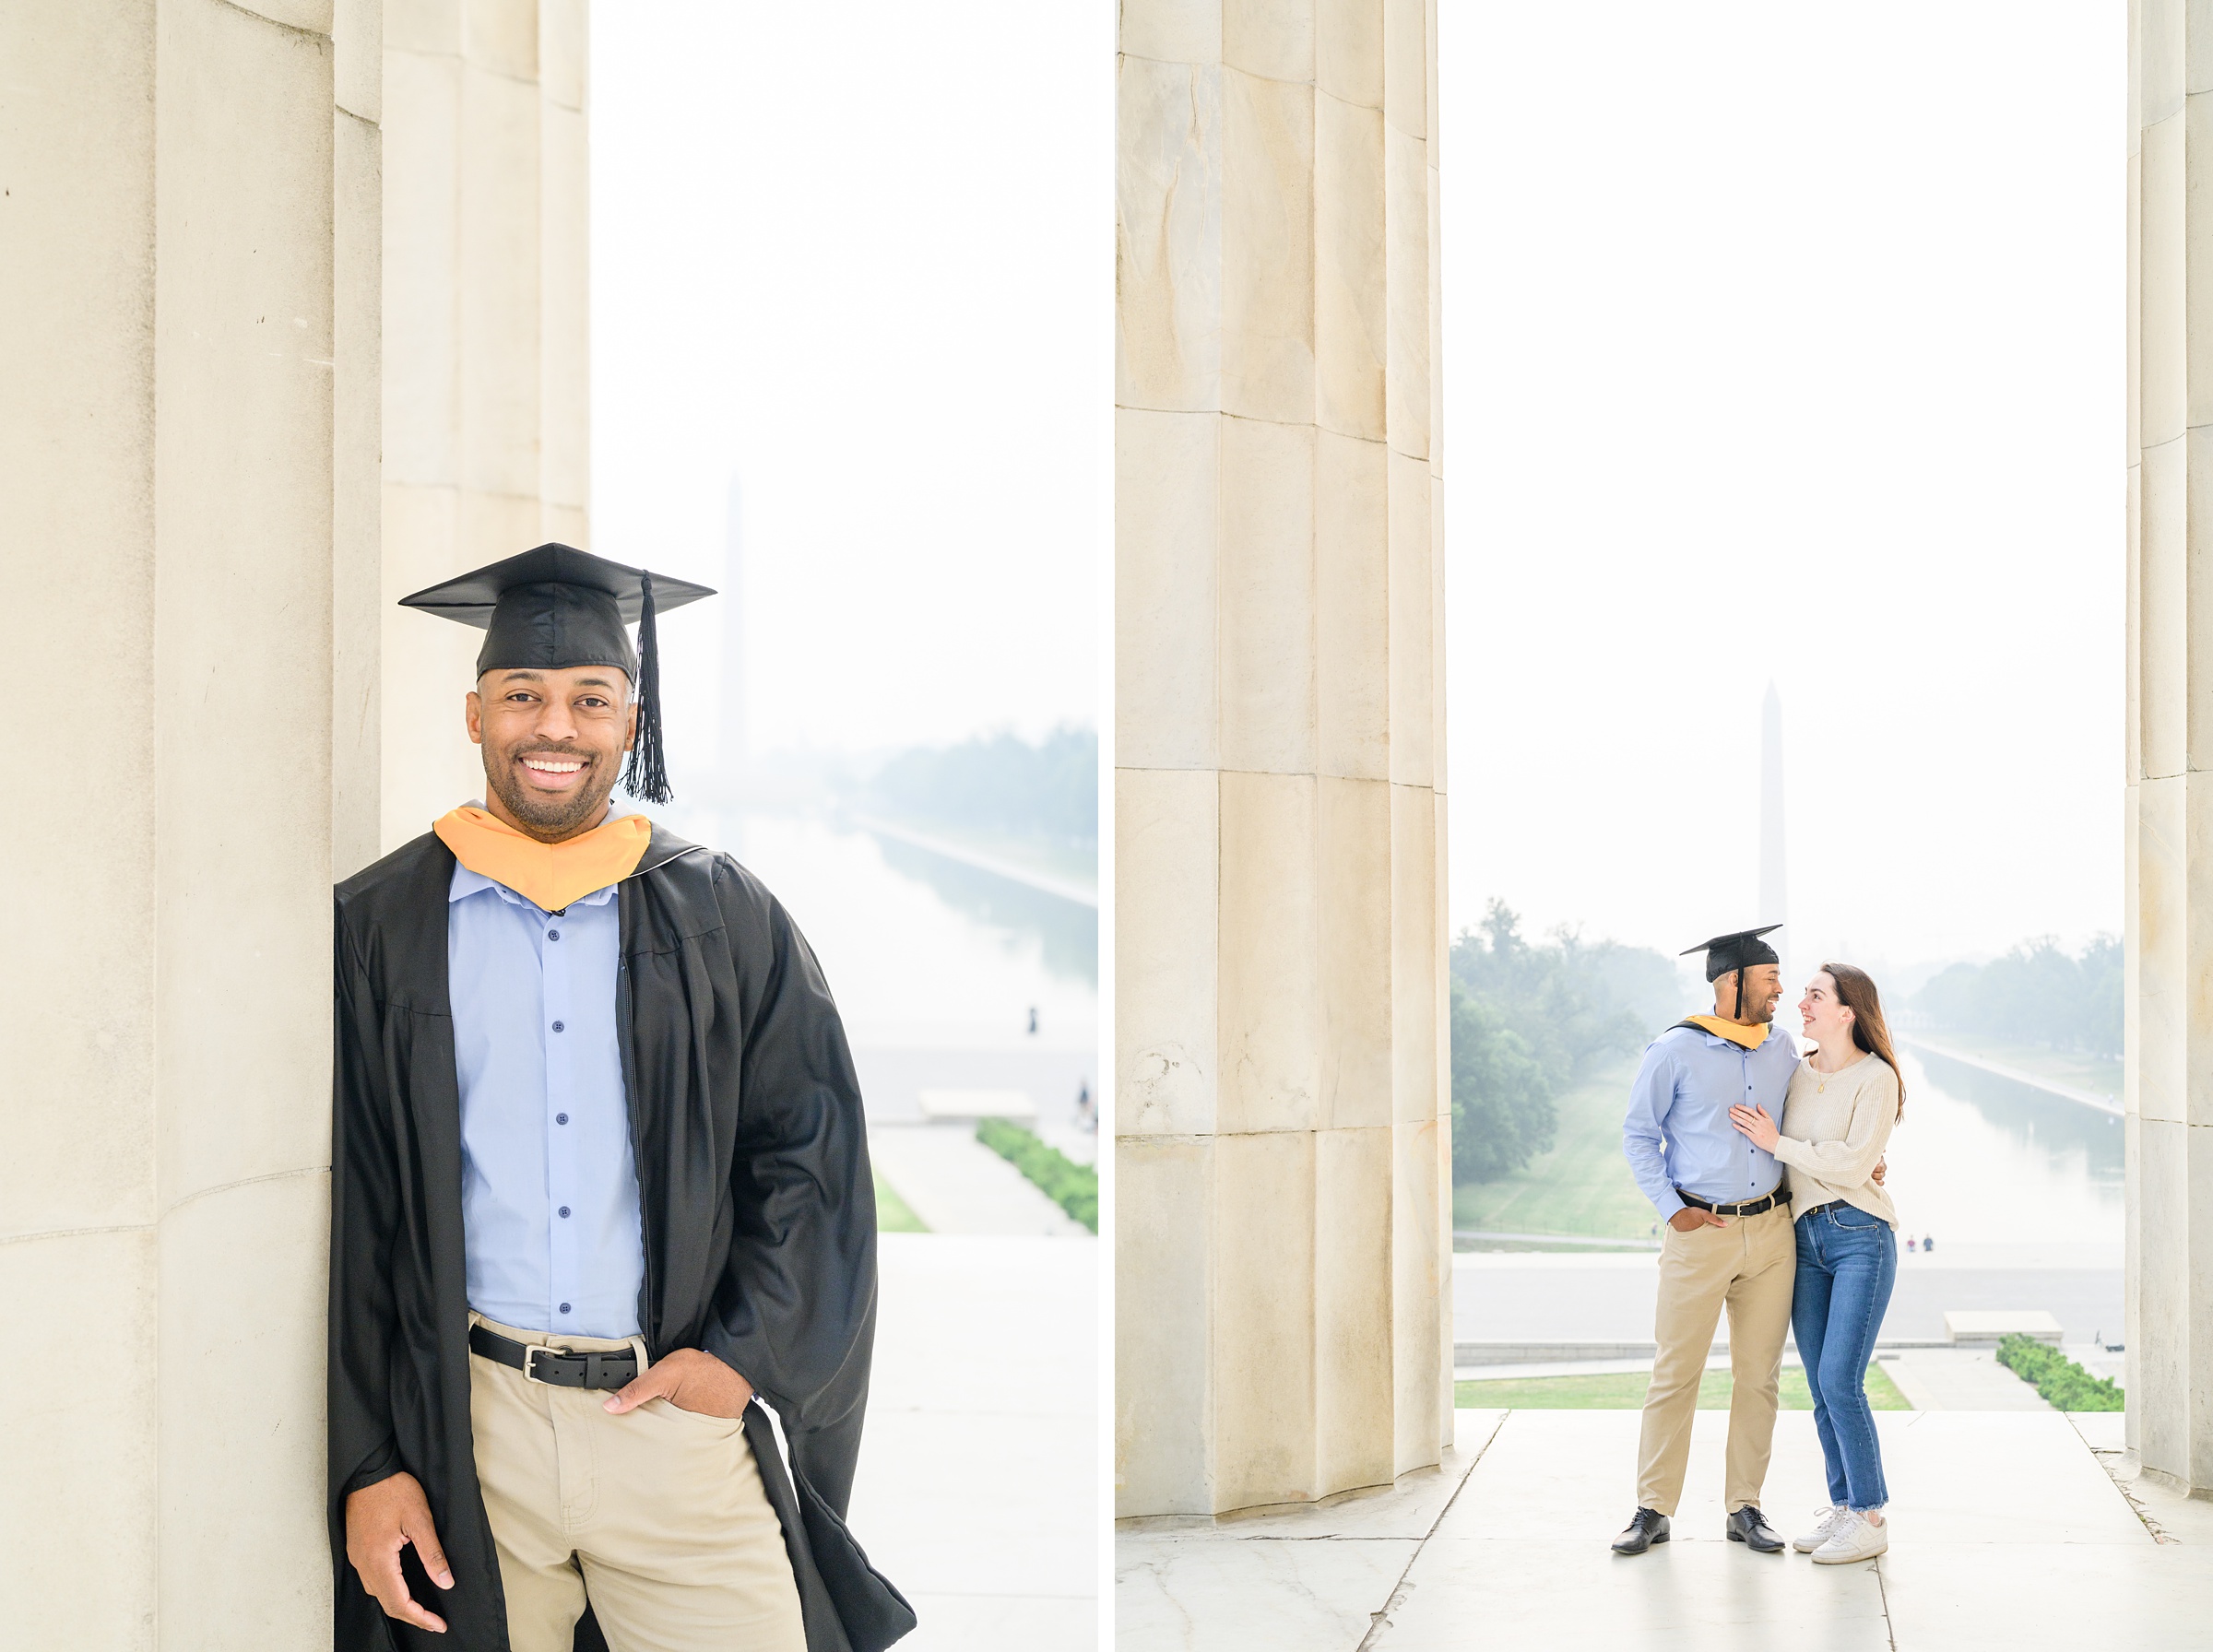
1581 1187
1074 1188
1624 1391
2064 1384
894 1214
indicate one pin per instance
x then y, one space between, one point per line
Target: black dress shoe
1746 1527
1646 1527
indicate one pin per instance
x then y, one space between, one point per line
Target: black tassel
647 774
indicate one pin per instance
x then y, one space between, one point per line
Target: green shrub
1074 1188
2064 1384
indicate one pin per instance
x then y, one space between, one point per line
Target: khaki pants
1747 1267
659 1514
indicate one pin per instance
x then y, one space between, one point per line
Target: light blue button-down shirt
549 1188
1678 1134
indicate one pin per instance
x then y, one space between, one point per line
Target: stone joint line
247 11
1380 1621
483 69
1315 423
167 1210
272 1176
1311 84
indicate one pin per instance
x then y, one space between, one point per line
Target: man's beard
1765 1018
548 818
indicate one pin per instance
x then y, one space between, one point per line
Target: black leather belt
1781 1196
558 1366
1834 1204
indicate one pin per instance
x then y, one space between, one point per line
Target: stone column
2170 740
187 293
1282 1156
486 374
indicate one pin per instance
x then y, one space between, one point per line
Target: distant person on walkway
1727 1242
600 1182
1842 1107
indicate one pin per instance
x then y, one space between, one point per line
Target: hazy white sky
861 260
1780 342
1786 342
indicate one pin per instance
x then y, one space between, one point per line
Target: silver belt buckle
530 1364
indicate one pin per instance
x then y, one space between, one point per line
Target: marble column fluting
2170 742
357 434
486 370
183 426
1283 1160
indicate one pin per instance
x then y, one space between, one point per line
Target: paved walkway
2012 1536
977 1494
1959 1379
956 1185
1563 1297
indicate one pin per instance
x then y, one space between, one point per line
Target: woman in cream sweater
1843 1102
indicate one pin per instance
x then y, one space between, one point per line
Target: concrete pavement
956 1185
2011 1535
1958 1379
979 1486
1567 1297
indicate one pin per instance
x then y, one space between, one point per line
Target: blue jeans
1847 1262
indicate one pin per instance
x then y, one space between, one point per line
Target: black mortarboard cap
557 607
1737 951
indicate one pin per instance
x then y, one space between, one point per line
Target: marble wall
188 428
486 366
303 328
1283 1160
2170 740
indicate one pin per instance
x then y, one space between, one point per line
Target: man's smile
550 772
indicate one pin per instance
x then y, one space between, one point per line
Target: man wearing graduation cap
600 1188
1728 1243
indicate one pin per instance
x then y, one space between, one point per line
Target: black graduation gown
758 1207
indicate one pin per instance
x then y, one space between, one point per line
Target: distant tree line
2038 994
1000 783
1528 1020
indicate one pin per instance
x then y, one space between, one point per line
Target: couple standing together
1723 1105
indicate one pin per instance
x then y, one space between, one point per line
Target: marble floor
2015 1530
977 1494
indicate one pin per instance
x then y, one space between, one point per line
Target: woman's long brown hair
1855 991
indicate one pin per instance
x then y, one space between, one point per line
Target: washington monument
1774 880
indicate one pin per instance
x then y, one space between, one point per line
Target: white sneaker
1824 1529
1857 1539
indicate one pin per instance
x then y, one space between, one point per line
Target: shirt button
564 1307
561 1118
557 1027
552 935
564 1210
